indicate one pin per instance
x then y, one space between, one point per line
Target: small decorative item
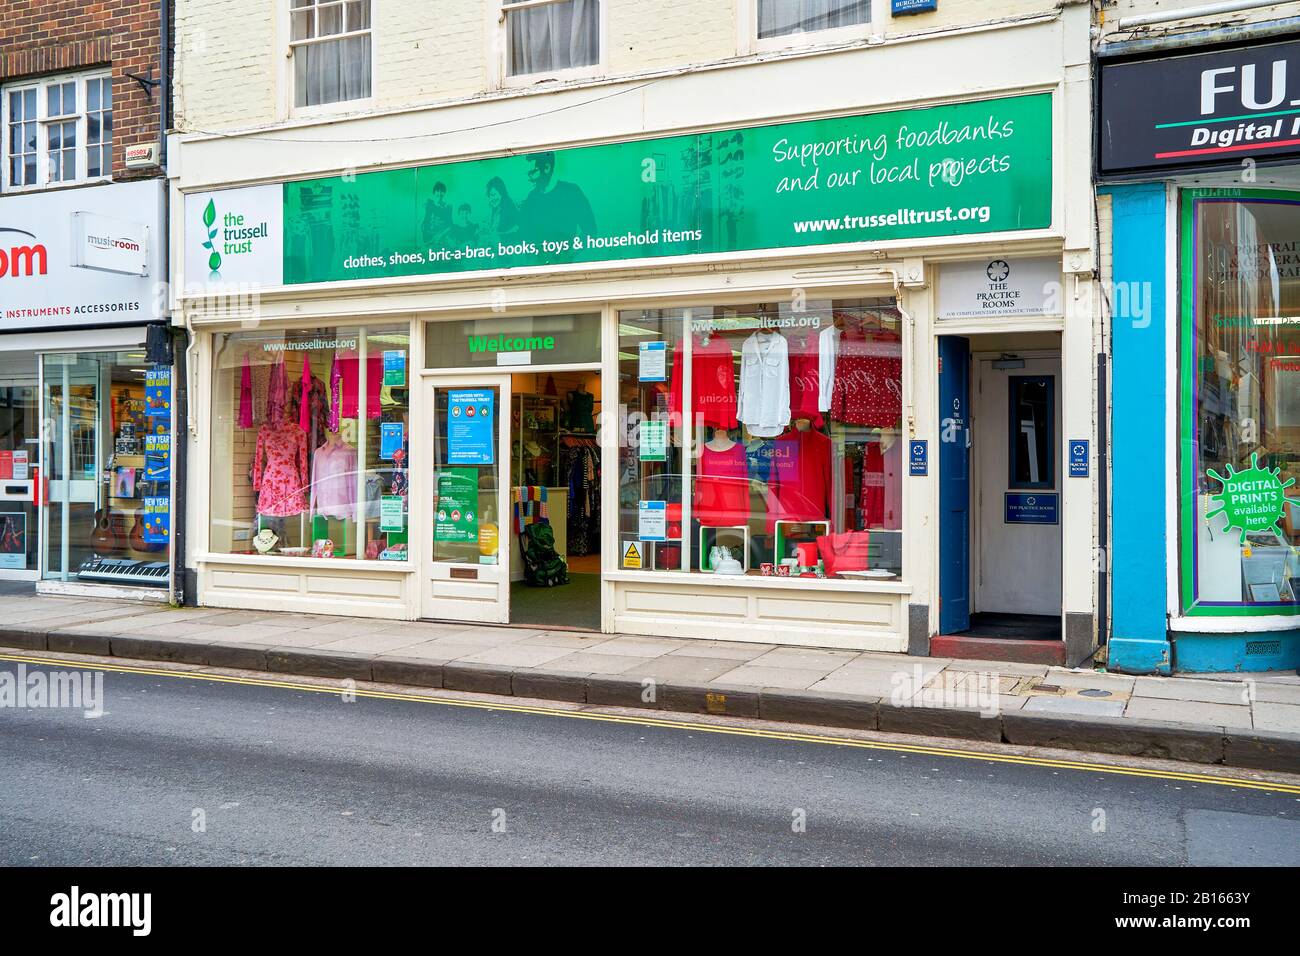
322 548
783 570
265 540
766 568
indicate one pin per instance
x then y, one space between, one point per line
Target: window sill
51 187
896 586
270 561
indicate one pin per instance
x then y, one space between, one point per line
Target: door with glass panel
1018 449
19 459
466 573
75 517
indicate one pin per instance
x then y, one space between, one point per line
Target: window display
310 443
770 444
1240 450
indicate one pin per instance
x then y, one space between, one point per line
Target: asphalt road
278 776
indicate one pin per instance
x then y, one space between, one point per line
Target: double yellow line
665 723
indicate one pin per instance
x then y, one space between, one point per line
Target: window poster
13 540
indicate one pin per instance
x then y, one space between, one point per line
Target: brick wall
43 37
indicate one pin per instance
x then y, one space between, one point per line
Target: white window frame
43 123
749 43
500 59
360 104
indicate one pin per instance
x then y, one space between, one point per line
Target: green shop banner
961 169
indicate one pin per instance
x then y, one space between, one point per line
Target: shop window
107 503
1032 425
57 131
310 443
546 36
762 440
330 42
779 18
1240 413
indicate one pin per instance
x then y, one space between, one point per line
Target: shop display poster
392 436
470 417
456 519
652 521
653 365
654 441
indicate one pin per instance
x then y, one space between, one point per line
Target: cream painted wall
232 71
1114 12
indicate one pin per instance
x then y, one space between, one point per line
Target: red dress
801 479
713 380
722 487
868 382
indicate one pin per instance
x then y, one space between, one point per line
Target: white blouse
764 401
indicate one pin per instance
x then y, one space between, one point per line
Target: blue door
954 484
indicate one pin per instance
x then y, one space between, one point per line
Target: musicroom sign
80 257
997 288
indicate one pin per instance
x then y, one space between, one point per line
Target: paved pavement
188 771
1266 702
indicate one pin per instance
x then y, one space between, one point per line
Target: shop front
86 401
686 385
1207 343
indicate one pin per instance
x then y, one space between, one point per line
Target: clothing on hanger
581 405
713 382
805 378
277 393
334 480
868 382
349 369
764 402
280 476
335 393
828 347
304 394
246 395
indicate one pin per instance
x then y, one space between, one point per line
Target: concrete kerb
1218 745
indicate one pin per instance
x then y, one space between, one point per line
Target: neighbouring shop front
1206 339
86 400
654 386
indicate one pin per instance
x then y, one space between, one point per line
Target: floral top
280 470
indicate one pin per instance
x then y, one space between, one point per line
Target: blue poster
392 436
157 519
470 428
1032 508
158 392
158 454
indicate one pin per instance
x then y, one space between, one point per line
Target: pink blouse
334 481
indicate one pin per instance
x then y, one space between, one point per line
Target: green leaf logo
210 217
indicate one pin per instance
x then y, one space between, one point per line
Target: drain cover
1094 692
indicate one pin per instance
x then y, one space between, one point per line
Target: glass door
19 450
467 575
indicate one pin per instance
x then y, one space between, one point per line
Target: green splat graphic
1252 500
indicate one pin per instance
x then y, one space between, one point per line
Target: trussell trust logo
229 234
19 258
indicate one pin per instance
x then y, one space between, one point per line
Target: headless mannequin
720 441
